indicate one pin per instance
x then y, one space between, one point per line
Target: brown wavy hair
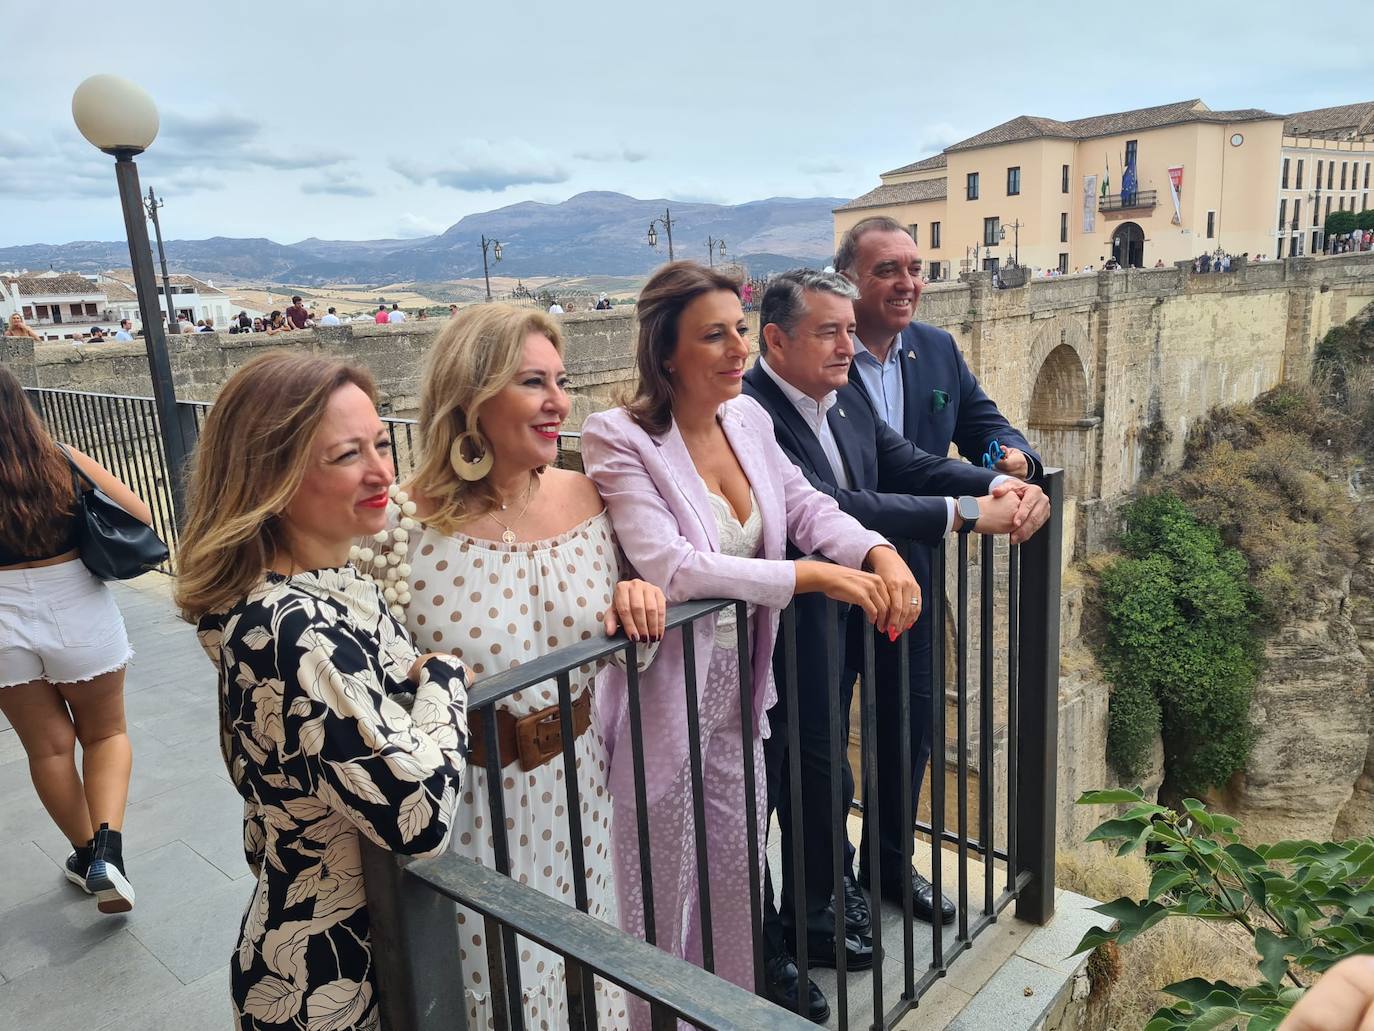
36 495
473 358
252 455
668 291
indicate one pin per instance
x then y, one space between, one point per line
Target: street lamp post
495 245
1015 241
120 119
667 222
711 245
152 204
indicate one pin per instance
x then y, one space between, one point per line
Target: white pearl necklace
385 564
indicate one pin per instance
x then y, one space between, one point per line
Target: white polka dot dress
496 606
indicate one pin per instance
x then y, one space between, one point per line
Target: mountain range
594 233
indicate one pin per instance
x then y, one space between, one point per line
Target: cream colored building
1036 186
1325 167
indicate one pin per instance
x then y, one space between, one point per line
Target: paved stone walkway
63 964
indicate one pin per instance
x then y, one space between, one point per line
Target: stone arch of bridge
1061 421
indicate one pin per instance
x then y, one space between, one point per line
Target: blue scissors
994 454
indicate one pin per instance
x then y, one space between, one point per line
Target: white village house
192 299
58 305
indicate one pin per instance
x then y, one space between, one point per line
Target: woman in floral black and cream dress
292 464
515 559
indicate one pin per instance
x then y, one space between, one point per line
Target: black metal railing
1018 590
120 432
1139 200
1020 870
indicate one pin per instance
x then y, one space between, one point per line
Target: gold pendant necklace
508 535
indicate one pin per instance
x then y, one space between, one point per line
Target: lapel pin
842 415
911 354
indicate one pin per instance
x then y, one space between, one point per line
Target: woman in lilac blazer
703 503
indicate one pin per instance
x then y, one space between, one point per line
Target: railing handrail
493 688
686 989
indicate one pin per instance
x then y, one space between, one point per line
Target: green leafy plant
1306 905
1365 219
1180 647
1339 222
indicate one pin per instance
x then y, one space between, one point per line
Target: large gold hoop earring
471 469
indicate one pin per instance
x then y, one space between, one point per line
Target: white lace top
741 540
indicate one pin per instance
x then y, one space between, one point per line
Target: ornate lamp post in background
152 204
1016 228
711 245
667 222
120 119
495 245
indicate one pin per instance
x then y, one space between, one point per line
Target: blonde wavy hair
474 357
250 460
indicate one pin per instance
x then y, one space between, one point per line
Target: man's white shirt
333 320
396 316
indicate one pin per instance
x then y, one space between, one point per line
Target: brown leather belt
529 740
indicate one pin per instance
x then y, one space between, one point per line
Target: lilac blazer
666 528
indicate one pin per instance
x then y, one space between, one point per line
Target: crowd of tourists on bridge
347 616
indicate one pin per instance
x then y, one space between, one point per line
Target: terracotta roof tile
925 164
68 284
898 193
1334 122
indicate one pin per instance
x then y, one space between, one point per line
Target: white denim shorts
60 624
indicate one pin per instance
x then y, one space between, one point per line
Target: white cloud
411 226
487 165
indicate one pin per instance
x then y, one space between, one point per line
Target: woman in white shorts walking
63 648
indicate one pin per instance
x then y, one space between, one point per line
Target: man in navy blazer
922 388
834 434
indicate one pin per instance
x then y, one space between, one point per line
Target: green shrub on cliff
1180 647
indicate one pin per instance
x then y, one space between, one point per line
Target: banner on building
1175 188
1089 203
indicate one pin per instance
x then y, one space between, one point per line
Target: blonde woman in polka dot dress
516 558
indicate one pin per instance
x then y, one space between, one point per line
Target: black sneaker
77 865
105 879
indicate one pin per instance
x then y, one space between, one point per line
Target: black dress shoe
922 898
781 979
857 918
858 951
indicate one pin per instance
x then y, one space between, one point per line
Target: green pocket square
938 400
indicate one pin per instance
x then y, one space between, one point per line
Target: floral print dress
321 750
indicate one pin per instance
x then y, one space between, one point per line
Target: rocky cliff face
1311 774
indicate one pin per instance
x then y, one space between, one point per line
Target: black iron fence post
1038 707
414 948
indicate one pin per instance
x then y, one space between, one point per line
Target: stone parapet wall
1147 346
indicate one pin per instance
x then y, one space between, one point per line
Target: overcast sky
349 120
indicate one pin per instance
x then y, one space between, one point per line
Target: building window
91 309
990 265
1328 204
1330 173
1297 213
28 311
1297 184
935 269
42 310
1283 182
1064 180
1283 211
990 232
934 235
1316 244
1342 204
1317 211
1211 224
1063 263
1013 181
76 310
1279 253
973 186
1366 175
915 231
1063 227
1343 164
1319 173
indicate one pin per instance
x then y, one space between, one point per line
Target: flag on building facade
1175 187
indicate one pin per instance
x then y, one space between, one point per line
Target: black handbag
113 544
